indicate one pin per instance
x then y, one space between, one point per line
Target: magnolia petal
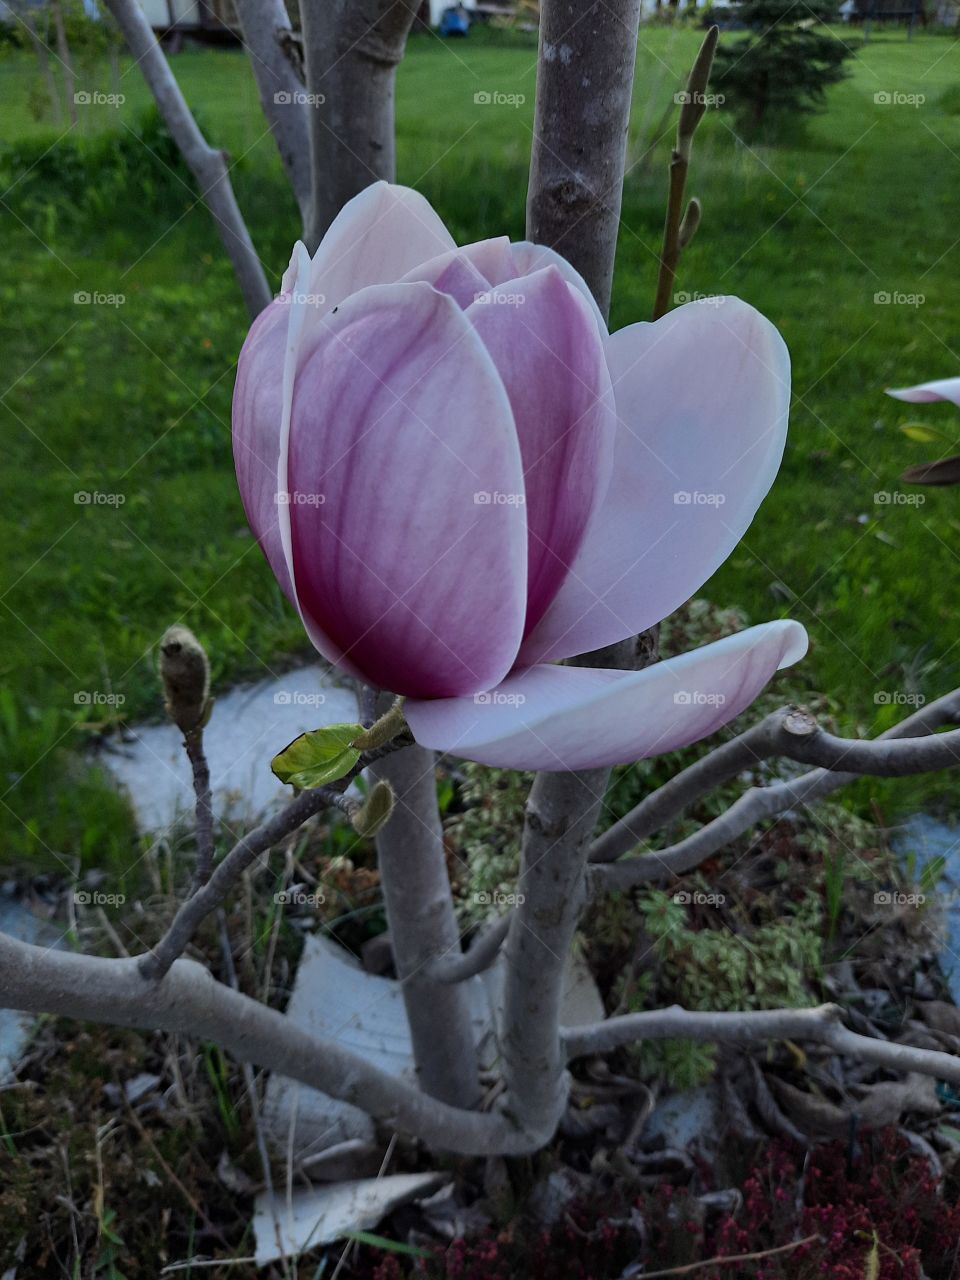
928 392
560 719
467 273
702 400
266 371
257 413
548 352
452 273
529 257
376 238
399 421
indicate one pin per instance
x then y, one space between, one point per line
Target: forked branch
906 748
820 1025
745 752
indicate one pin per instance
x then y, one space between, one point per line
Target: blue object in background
455 22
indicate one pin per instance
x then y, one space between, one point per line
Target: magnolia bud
185 673
373 815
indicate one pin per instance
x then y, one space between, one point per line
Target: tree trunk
351 53
588 51
423 927
584 94
46 71
66 61
561 814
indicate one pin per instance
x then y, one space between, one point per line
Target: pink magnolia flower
459 478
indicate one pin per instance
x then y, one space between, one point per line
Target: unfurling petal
376 238
257 415
528 257
546 347
928 392
565 718
465 273
400 429
702 399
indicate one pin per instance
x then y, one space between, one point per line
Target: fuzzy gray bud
185 673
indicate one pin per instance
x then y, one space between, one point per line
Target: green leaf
321 756
382 1242
923 435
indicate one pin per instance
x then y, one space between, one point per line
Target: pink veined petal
529 257
454 274
376 238
257 411
468 272
702 399
928 392
399 421
560 719
548 352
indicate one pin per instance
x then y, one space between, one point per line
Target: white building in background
190 15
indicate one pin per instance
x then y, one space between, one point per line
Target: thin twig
725 1260
193 744
154 964
678 229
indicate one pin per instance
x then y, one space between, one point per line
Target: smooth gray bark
189 1001
423 928
743 752
351 51
902 747
588 51
282 93
820 1025
561 814
584 93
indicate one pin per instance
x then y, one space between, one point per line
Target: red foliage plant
877 1211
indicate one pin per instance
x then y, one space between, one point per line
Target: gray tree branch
207 164
190 1002
584 92
561 815
154 964
423 926
743 752
457 966
910 747
193 745
282 94
820 1025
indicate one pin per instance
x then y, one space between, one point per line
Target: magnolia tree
481 503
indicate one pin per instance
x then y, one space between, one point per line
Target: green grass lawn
133 400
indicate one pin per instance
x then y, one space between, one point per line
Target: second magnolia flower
459 477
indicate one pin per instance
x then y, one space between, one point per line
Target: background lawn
131 402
